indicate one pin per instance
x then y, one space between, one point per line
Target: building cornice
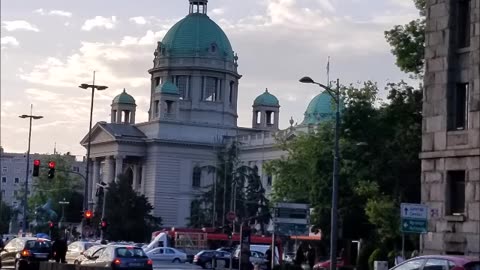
454 153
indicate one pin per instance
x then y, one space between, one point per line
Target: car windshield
129 252
38 245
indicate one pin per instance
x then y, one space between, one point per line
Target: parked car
256 258
205 258
77 248
167 254
87 254
325 265
226 249
120 257
24 251
439 262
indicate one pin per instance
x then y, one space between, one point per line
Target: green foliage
5 215
408 42
128 214
232 179
378 254
65 185
379 147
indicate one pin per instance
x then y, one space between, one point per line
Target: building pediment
105 133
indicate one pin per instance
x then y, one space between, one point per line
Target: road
176 266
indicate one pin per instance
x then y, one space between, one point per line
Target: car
87 254
439 262
76 249
205 258
167 254
120 257
24 251
226 249
325 264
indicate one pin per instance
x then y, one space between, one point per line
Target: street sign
410 225
415 211
231 216
291 219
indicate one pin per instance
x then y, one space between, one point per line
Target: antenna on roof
328 71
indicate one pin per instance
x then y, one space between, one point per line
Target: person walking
299 257
60 249
311 257
268 253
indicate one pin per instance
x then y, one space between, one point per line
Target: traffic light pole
102 235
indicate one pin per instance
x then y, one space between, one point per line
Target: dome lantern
123 109
198 6
266 109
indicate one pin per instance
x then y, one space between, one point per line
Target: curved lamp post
335 94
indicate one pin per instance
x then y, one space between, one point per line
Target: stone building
451 128
193 112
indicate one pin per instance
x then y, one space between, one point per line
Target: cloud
19 25
148 39
55 12
218 11
60 13
42 95
99 22
138 20
9 41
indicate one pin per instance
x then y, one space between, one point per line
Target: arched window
196 177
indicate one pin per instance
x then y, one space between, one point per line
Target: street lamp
31 117
335 94
99 88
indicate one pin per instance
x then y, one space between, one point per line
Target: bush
377 255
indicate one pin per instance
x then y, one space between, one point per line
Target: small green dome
321 108
124 98
197 35
167 88
266 99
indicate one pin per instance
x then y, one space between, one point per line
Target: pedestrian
414 254
299 256
60 248
311 256
268 253
399 258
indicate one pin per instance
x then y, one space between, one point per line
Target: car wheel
208 265
176 260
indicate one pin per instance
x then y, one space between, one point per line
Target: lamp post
31 117
99 88
335 94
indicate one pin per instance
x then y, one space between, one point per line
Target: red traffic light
88 214
51 164
103 224
36 162
51 224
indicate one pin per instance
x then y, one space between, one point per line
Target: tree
65 185
128 214
237 186
408 42
379 162
5 216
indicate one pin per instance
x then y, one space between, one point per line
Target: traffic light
51 169
51 227
36 167
88 216
103 225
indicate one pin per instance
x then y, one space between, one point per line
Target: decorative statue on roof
44 214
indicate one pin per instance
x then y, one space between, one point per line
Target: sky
49 47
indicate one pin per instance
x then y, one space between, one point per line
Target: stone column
276 119
119 116
142 178
109 173
132 117
118 166
135 177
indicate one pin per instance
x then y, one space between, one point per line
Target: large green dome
266 99
197 35
124 98
321 108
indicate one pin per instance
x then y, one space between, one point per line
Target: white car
167 254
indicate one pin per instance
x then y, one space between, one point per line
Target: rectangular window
4 179
182 83
156 109
17 180
4 170
463 23
458 107
158 81
456 190
231 93
196 177
212 89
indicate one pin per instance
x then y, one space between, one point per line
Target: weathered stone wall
444 150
